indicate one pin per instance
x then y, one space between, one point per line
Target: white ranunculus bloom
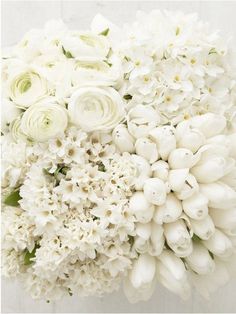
94 108
147 149
160 170
142 119
16 131
27 86
44 120
189 188
224 219
155 191
219 194
196 206
200 260
122 139
164 137
9 113
157 239
172 274
141 208
181 158
203 228
144 171
178 238
220 245
168 212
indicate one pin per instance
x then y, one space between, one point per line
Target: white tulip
204 228
181 158
43 121
168 212
141 245
219 194
189 188
143 270
142 119
122 139
209 124
232 139
219 244
224 219
200 260
196 206
164 137
143 169
147 149
160 170
141 208
94 108
178 238
155 191
177 178
157 239
143 230
172 274
9 113
188 137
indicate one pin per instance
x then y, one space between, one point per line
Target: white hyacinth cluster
119 151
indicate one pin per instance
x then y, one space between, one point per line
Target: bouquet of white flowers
119 149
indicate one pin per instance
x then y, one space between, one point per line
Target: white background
20 16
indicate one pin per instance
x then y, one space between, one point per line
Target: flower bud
196 206
122 139
147 149
219 195
143 230
172 274
224 219
140 207
177 178
204 228
164 137
157 240
144 171
189 188
141 245
160 170
200 260
155 191
169 211
219 244
178 238
181 158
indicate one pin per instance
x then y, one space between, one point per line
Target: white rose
122 139
147 149
44 120
94 108
155 191
141 208
219 244
196 206
9 113
169 211
203 228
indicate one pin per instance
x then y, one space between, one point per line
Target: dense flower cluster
119 150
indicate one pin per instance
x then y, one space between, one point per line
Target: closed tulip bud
169 211
164 137
219 244
189 188
144 171
204 228
157 240
155 191
224 219
122 139
232 139
147 149
181 158
141 245
210 124
172 274
141 207
188 137
196 206
177 178
178 238
143 230
143 270
220 195
160 170
200 260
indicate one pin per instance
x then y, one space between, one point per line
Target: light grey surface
20 16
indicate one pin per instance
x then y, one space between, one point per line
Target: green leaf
105 32
29 255
13 198
67 53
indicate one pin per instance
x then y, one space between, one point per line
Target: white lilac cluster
119 151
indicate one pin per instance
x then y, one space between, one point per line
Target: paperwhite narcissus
203 228
200 260
122 139
157 239
160 170
164 137
219 195
147 149
155 191
172 274
224 219
180 158
219 244
178 238
168 212
144 171
141 208
196 206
